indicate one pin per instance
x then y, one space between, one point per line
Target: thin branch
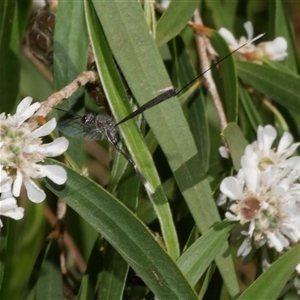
66 92
202 44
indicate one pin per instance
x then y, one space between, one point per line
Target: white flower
8 204
273 50
265 194
22 151
261 155
266 205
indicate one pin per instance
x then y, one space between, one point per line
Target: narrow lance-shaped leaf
174 19
135 144
50 283
272 281
196 259
125 233
227 83
281 25
146 75
70 59
9 50
277 85
236 143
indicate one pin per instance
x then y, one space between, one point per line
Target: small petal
249 29
9 208
17 214
245 247
57 147
57 174
5 182
293 162
25 110
223 151
29 112
17 184
298 268
275 242
222 199
251 178
5 195
165 3
265 138
228 37
34 193
44 130
280 44
231 188
291 150
250 157
231 217
23 105
285 141
276 50
265 264
292 232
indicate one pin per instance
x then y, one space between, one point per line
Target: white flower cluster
265 194
273 50
21 151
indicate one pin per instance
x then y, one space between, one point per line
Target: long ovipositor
172 91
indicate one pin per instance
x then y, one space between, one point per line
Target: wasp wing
74 128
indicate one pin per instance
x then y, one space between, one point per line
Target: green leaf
150 16
208 276
115 269
50 284
174 19
119 106
227 83
197 258
140 62
24 11
125 233
280 16
3 246
220 11
249 107
70 44
70 59
270 283
113 275
199 128
277 85
30 79
9 51
197 117
118 171
90 278
22 248
236 143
